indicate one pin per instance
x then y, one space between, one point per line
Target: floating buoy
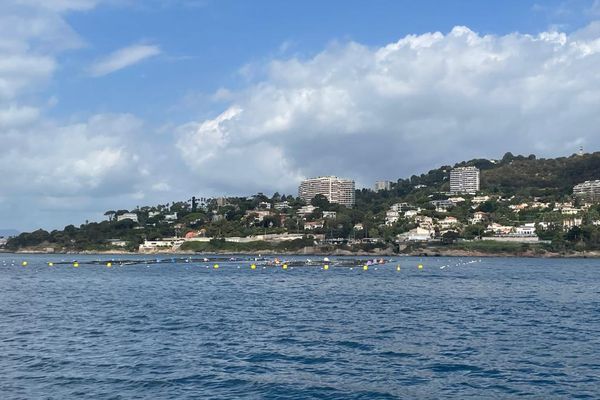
398 268
50 264
24 263
76 264
420 266
253 266
284 266
325 267
109 264
365 267
216 266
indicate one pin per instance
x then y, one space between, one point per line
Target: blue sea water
458 328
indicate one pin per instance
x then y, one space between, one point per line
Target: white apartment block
588 190
337 190
464 180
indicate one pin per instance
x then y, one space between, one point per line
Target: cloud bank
391 111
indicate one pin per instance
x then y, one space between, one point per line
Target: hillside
508 182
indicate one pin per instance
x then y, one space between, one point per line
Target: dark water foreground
498 328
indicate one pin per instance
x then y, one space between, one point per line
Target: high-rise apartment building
464 180
337 190
588 190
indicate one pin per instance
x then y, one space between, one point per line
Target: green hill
523 177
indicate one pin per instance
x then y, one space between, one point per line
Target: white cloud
402 108
123 58
14 116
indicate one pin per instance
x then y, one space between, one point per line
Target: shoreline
422 253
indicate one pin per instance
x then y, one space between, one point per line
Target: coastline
314 252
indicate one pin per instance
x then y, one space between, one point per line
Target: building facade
382 185
337 190
464 180
588 190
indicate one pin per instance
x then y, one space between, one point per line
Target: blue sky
205 43
110 104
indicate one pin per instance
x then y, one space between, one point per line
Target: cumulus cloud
123 58
56 171
399 109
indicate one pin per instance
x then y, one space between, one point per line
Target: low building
448 222
171 217
457 200
128 215
417 235
424 222
259 215
479 199
569 211
442 205
264 205
329 214
498 229
306 210
391 217
572 222
525 230
117 242
358 227
167 244
310 226
588 190
478 217
282 205
411 213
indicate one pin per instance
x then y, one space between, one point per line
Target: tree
110 214
449 237
320 201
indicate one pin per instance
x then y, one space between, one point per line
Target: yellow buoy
24 263
216 266
109 264
397 268
365 267
76 264
50 264
420 266
284 266
253 266
325 267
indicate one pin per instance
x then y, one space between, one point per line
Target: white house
525 230
306 210
131 216
448 222
572 222
329 214
478 217
417 235
411 213
313 225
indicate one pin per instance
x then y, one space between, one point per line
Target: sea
166 327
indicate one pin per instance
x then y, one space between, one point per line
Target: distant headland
516 205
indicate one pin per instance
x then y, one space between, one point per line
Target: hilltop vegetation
510 181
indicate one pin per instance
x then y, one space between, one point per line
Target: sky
113 104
